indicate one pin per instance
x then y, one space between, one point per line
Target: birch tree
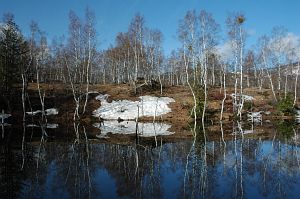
90 49
79 57
208 34
237 36
155 55
136 32
73 60
265 59
184 33
249 65
40 53
277 48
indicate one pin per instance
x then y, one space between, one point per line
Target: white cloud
226 51
251 32
289 44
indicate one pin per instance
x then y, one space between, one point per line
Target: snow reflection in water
48 126
48 112
246 168
129 127
3 116
236 167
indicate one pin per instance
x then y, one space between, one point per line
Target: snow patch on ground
255 117
50 111
298 116
244 132
148 106
93 92
245 97
129 127
102 98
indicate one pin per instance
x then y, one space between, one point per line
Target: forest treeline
205 59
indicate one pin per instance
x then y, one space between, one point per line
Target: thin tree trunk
296 84
77 100
224 87
236 81
42 97
188 82
23 96
285 86
270 77
213 74
241 80
205 91
87 73
279 77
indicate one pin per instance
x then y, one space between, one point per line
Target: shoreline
57 96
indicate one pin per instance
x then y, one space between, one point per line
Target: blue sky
114 16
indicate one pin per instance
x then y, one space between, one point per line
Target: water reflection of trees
11 159
233 168
10 181
228 168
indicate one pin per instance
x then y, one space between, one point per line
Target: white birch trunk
224 88
296 84
269 76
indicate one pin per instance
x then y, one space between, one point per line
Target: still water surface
235 167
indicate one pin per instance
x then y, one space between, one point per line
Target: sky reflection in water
238 168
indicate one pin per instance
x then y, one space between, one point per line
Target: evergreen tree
13 54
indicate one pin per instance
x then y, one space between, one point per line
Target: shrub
285 129
285 106
247 106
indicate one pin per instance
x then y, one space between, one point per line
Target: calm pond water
261 166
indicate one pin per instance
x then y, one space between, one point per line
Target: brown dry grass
62 97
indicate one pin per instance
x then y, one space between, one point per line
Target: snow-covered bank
129 127
148 106
50 111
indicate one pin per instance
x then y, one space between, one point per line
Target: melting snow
255 117
129 127
93 92
245 132
125 109
50 111
245 97
298 116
